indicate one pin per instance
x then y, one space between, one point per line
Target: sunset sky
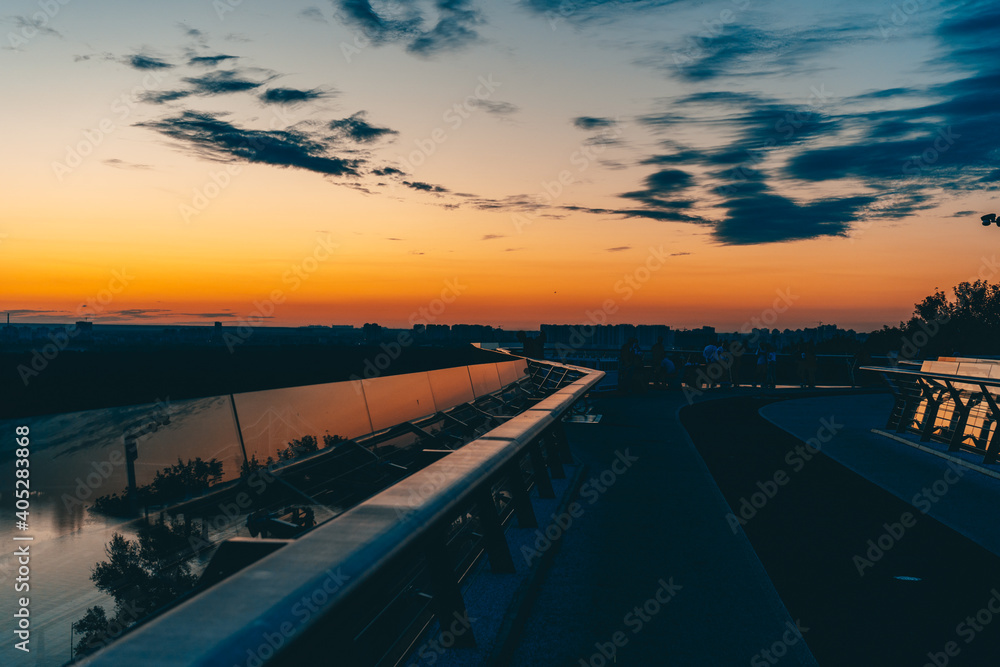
690 161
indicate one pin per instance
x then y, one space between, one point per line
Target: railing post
958 437
930 415
497 547
562 442
962 410
993 446
542 480
448 603
522 501
552 455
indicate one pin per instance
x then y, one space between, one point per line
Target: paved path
969 507
876 579
660 521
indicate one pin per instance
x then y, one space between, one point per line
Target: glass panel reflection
398 398
451 387
272 420
484 378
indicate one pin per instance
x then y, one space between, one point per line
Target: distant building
85 330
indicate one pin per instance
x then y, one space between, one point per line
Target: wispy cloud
291 95
356 128
221 82
142 61
209 136
424 187
210 61
407 23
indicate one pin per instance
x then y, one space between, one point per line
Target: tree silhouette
142 576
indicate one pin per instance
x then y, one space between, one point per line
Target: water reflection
200 468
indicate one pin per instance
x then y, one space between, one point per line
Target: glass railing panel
451 387
398 398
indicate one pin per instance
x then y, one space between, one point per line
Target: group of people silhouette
720 364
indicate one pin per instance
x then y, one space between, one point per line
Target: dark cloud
880 155
360 14
454 29
962 214
209 136
142 62
619 248
163 96
222 82
582 11
491 237
388 171
424 187
679 254
356 128
592 123
737 50
771 218
290 95
209 61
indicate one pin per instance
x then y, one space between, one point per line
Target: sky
510 162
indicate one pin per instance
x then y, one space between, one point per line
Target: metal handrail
948 387
948 377
259 612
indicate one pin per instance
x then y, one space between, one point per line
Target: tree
142 576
